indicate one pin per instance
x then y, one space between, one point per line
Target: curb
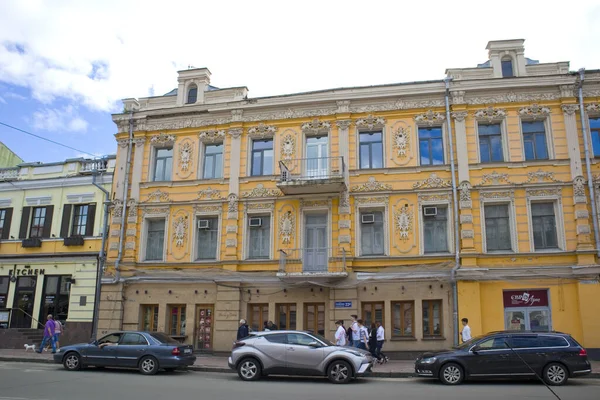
201 368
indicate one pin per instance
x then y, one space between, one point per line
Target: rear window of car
553 341
162 338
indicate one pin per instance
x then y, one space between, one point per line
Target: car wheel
72 362
339 372
249 369
556 374
148 365
452 374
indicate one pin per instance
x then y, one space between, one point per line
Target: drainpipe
456 219
101 256
587 161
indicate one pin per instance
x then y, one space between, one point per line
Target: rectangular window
5 220
259 236
497 228
156 239
371 150
286 316
431 146
435 229
432 318
507 68
37 222
163 164
3 295
595 132
262 157
176 325
258 315
371 233
490 143
314 318
80 214
149 317
213 161
372 312
534 140
403 314
207 242
543 222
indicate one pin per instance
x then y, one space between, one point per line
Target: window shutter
48 222
91 217
66 219
7 221
24 222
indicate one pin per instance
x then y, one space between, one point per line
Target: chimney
189 79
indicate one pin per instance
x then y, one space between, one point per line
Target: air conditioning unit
255 222
430 211
203 224
367 218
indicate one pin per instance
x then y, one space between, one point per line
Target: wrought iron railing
312 168
319 260
15 313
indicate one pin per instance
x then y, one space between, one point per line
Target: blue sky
65 64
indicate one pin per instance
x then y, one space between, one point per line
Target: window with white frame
497 227
544 226
371 150
207 238
163 164
372 237
155 239
431 145
595 133
435 229
490 142
262 157
259 236
534 140
213 161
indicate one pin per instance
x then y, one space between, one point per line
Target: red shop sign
525 298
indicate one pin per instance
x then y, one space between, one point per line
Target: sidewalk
208 363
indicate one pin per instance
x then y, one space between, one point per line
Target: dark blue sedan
146 351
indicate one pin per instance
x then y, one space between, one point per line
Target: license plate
187 351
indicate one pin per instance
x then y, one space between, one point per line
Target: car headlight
429 360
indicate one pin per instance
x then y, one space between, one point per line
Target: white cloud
64 119
96 53
12 95
2 101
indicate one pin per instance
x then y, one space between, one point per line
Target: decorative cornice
534 111
158 196
490 114
570 109
316 126
458 97
459 116
433 181
262 131
430 118
373 200
540 176
209 193
162 140
208 209
260 206
495 179
548 192
370 122
495 195
343 124
371 186
235 133
511 97
421 197
343 106
593 109
397 105
139 141
237 115
261 191
122 143
155 211
212 136
314 203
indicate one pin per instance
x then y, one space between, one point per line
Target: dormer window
507 67
192 94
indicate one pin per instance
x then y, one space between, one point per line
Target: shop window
372 233
403 314
207 242
286 316
259 236
262 157
213 161
23 302
56 297
490 142
3 291
5 220
372 312
432 318
258 315
371 150
543 222
431 146
595 132
155 239
534 140
497 227
435 229
149 321
314 318
163 164
176 324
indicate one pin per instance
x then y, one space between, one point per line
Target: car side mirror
475 349
314 344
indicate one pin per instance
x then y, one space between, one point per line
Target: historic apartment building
51 227
305 208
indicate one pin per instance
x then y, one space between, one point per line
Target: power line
47 140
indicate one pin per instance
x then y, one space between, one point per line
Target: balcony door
316 157
315 249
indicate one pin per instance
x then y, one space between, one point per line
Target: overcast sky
65 65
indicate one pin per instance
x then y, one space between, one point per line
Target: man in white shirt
340 334
466 331
355 331
380 339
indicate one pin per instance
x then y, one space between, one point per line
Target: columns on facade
570 117
344 221
232 234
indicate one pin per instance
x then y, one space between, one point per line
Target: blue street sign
343 304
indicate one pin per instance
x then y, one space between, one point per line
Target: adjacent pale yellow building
306 208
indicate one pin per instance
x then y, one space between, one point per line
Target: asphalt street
26 381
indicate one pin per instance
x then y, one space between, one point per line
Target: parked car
297 353
146 351
554 356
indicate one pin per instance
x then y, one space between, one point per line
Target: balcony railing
312 175
89 166
9 174
323 261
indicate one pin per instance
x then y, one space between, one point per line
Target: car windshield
162 338
322 339
469 343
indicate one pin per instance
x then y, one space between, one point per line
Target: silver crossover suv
297 353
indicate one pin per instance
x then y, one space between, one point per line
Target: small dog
30 346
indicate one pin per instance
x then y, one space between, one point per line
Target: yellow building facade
304 209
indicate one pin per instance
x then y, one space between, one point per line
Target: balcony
312 175
320 264
92 166
9 174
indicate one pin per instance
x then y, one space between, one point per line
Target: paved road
22 381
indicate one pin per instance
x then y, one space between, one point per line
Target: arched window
192 94
507 67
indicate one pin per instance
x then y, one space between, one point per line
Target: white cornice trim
38 200
80 197
54 183
5 202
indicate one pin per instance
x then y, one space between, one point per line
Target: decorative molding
231 243
372 201
458 97
314 203
114 246
288 147
344 224
235 133
582 214
130 245
534 111
459 116
212 136
209 193
260 206
115 233
261 191
467 234
466 219
511 97
180 228
186 152
117 208
287 227
401 140
495 179
490 114
570 109
548 192
465 195
131 232
567 90
583 229
343 124
262 131
162 140
237 115
579 190
315 127
344 239
123 143
593 109
344 203
7 202
430 118
403 222
397 105
139 141
231 229
497 195
158 196
208 209
290 114
161 211
433 197
80 197
370 123
343 106
433 181
132 208
371 186
38 200
232 203
540 176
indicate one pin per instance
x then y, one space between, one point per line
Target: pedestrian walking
49 329
271 326
380 335
340 334
373 341
355 331
242 330
466 330
363 334
58 328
